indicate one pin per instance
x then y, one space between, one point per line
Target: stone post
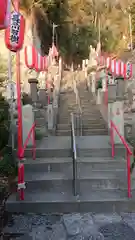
50 117
116 110
93 81
43 97
33 89
99 96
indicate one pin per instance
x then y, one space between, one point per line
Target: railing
21 182
78 124
74 155
78 115
129 153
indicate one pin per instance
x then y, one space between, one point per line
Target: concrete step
67 126
40 122
58 181
65 165
61 132
96 201
94 132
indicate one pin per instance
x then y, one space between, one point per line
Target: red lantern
30 55
14 34
54 51
108 62
118 67
39 62
128 70
4 13
122 69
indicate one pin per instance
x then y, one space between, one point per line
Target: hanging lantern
54 51
14 34
122 69
39 62
112 66
4 13
29 53
108 62
118 67
128 70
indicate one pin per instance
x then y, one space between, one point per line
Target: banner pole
18 84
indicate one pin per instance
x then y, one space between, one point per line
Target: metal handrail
74 155
128 154
78 102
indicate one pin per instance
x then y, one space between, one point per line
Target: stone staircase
92 121
101 180
67 105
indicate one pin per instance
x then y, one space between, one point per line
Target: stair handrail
78 102
77 95
74 154
129 153
30 133
21 181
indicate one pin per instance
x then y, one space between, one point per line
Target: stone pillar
42 97
99 96
117 117
33 89
27 122
93 81
50 116
116 110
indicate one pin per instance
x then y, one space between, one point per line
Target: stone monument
27 122
116 110
33 89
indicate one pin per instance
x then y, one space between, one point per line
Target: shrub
4 122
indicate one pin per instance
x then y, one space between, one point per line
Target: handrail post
128 174
128 154
73 146
112 139
34 144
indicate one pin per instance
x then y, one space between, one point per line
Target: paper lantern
4 13
122 69
30 54
14 34
108 62
112 66
128 70
54 51
39 62
118 67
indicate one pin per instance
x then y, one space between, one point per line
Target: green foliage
78 23
8 165
4 122
132 11
99 84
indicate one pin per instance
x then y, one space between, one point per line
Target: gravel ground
72 227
